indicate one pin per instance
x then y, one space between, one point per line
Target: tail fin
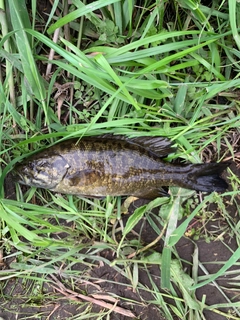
206 177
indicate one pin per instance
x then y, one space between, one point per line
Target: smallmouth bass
116 166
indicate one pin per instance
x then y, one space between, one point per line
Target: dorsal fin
159 146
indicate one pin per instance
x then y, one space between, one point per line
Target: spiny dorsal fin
159 146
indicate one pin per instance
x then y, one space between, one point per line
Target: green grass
160 69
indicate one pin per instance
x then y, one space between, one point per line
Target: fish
116 166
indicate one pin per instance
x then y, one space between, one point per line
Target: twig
77 297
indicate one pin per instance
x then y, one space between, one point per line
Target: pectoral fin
83 177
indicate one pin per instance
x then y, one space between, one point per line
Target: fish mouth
18 177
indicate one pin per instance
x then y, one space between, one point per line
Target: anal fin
152 193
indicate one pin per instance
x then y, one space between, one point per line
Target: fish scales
109 165
112 165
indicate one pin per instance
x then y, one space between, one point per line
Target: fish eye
31 165
42 165
39 172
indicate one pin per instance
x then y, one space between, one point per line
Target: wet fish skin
101 166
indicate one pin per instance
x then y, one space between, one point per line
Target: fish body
113 165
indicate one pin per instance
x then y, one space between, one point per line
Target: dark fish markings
109 165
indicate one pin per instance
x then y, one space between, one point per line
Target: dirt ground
116 284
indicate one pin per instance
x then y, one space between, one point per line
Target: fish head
42 172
